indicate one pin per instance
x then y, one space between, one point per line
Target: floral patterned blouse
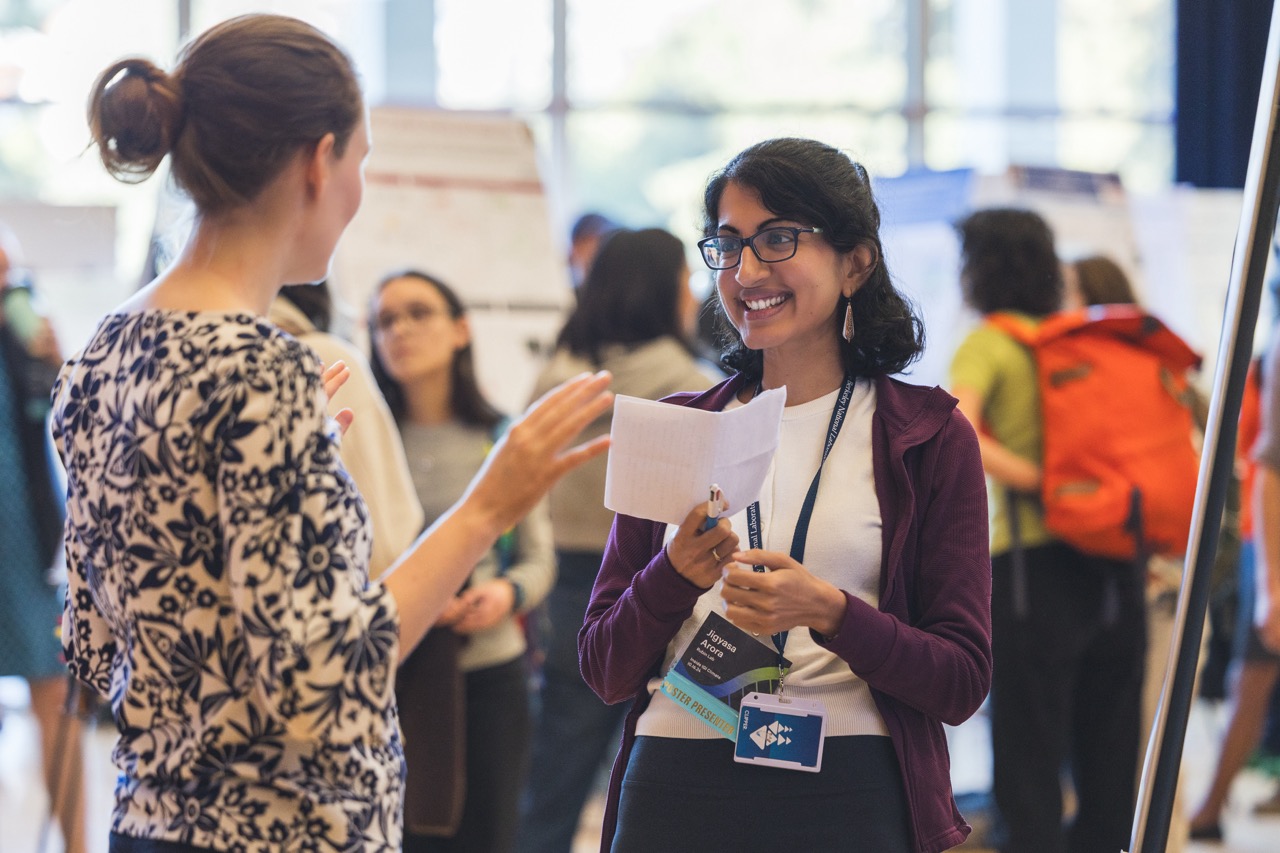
219 592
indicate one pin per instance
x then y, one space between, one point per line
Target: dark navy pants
690 796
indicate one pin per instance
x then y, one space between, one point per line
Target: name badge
781 731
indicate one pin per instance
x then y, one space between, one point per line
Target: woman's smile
760 305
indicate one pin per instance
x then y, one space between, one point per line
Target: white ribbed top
843 547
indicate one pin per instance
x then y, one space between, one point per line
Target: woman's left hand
484 605
785 597
335 376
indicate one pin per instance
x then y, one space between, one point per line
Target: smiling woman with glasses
874 580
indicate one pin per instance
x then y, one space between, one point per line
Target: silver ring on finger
716 554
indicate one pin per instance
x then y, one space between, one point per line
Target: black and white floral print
218 591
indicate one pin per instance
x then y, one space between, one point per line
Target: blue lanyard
806 510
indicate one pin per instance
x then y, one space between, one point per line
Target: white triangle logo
769 735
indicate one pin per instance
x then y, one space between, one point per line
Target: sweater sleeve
321 641
939 664
637 606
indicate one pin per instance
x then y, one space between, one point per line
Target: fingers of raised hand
565 410
344 419
575 456
539 438
335 376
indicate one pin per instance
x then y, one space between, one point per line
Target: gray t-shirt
442 459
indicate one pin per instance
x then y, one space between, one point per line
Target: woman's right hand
700 555
529 459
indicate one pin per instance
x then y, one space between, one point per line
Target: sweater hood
648 370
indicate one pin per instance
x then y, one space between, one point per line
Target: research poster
1175 245
458 195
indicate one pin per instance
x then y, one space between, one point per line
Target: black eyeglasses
771 245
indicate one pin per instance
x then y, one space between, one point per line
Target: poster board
1175 245
458 195
923 256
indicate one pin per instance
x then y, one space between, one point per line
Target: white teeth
761 304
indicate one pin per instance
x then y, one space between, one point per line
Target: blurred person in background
585 237
473 669
1255 687
1099 280
634 317
31 538
1068 628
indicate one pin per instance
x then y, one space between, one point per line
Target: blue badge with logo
780 731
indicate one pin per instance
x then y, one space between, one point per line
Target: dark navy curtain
1221 45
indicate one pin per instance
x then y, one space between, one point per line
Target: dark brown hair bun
135 115
245 97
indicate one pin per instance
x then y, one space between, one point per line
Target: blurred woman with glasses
634 317
884 616
218 552
464 701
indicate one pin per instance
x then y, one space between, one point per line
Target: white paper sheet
663 458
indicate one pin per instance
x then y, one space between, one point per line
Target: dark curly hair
811 182
1009 262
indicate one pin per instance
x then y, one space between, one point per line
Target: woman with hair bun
218 552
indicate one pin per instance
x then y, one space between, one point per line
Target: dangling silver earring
848 321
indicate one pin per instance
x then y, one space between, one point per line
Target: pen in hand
715 505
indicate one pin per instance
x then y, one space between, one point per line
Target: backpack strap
1020 329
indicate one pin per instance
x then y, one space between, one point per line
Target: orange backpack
1120 467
